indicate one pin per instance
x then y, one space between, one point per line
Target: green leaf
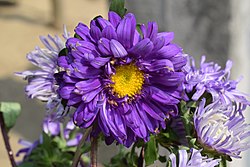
118 6
63 52
10 113
162 159
151 150
26 164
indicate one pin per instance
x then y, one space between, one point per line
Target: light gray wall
201 27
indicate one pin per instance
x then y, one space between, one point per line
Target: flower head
41 82
222 128
212 79
195 160
124 82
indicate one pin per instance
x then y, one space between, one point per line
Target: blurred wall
200 27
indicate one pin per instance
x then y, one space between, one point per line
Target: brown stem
93 156
141 158
78 152
6 141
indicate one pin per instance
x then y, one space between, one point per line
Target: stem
141 158
93 154
223 162
78 152
6 141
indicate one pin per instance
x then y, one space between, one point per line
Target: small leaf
63 52
151 150
118 7
10 113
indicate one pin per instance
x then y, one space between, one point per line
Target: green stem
93 153
223 162
78 152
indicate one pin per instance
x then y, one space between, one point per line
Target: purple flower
28 147
51 126
212 79
41 82
195 160
222 128
124 82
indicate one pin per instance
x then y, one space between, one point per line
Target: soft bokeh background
218 29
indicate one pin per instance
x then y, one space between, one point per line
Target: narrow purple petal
126 30
114 18
117 49
168 36
142 48
104 46
109 33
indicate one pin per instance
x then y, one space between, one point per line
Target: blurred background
218 29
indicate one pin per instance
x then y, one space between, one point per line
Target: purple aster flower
214 80
41 82
124 83
195 160
222 128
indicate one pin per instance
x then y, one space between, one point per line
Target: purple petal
142 48
161 64
109 33
168 36
114 18
168 51
126 30
88 85
104 46
95 32
66 91
117 49
83 31
152 31
103 22
99 61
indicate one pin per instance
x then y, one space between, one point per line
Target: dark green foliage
118 6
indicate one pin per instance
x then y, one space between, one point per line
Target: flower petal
117 49
142 48
126 30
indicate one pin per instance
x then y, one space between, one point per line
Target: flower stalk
93 154
6 141
78 152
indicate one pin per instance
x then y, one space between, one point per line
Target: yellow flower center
128 80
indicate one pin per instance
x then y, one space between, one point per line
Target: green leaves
10 112
151 151
118 6
53 152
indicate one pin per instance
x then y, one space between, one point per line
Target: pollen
128 81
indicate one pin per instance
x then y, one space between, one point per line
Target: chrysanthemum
212 79
41 82
122 82
222 128
195 160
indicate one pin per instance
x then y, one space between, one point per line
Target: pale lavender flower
210 78
195 160
41 82
51 126
222 128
